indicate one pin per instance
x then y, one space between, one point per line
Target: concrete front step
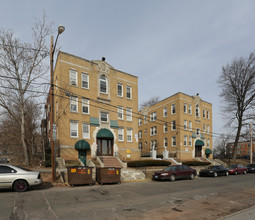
110 162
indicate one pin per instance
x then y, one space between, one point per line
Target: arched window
103 84
197 111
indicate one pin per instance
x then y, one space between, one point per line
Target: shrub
146 163
196 163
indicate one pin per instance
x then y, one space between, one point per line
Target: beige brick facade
88 97
180 123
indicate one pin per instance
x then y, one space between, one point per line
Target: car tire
20 186
192 176
235 172
172 178
227 173
215 174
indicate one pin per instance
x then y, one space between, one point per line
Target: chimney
103 58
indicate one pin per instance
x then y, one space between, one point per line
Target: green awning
194 135
82 145
208 151
94 121
114 124
199 143
104 133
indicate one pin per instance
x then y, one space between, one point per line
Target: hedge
147 163
196 163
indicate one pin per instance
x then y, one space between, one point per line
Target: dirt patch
210 208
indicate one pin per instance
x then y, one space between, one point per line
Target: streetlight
61 29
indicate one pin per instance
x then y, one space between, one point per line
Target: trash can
79 175
108 175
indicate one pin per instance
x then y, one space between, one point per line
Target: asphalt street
123 201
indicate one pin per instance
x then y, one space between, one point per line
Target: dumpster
79 175
108 175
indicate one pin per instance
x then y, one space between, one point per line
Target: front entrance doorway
82 156
82 147
105 140
198 148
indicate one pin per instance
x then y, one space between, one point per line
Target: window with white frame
173 109
165 128
85 106
85 130
173 141
185 108
129 92
185 140
139 134
74 104
103 84
185 125
204 113
153 130
153 144
129 114
84 81
197 111
190 141
173 123
129 134
165 112
73 77
121 134
120 111
204 128
208 114
145 119
104 116
139 121
208 142
190 125
140 146
74 129
120 90
198 131
208 129
165 142
153 116
190 109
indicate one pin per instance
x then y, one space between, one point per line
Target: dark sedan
237 169
175 172
214 171
251 168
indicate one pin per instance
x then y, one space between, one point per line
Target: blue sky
172 46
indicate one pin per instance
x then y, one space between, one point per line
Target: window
153 130
74 129
129 114
6 169
185 108
120 90
103 116
73 77
85 106
190 109
154 144
190 125
208 129
204 128
203 113
121 134
84 80
208 142
145 119
173 110
197 110
139 134
73 104
120 113
139 121
85 130
165 142
208 114
129 92
165 112
185 140
185 124
173 141
173 125
198 131
190 141
153 116
129 135
103 84
140 146
165 128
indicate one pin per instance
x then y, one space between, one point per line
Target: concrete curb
237 215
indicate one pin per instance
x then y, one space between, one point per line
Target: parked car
175 172
251 168
19 179
237 169
216 170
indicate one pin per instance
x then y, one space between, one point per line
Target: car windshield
171 168
251 165
232 166
212 168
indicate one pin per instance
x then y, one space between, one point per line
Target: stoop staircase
110 162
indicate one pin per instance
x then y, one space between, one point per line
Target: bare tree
150 102
22 64
220 149
237 83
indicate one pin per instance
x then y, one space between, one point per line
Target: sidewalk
246 214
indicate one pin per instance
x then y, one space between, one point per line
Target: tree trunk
237 140
25 148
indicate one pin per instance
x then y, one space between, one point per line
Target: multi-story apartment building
93 109
243 149
180 124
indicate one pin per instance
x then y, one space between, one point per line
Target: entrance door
82 156
198 151
105 147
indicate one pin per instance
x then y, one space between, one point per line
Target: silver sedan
18 179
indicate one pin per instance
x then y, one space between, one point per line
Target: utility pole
251 144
